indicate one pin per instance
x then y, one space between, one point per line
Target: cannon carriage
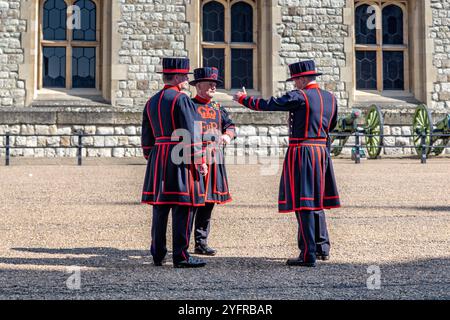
434 136
372 129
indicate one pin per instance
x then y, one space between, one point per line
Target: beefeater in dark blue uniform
307 183
171 142
218 130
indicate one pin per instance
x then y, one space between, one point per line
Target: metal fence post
7 149
357 148
80 148
423 158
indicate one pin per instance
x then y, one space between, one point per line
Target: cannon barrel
348 123
443 125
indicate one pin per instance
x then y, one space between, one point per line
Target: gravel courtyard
55 215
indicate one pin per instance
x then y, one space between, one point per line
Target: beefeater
307 185
218 131
173 179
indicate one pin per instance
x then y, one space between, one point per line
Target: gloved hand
225 139
203 169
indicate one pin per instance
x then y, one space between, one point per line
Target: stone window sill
385 97
69 98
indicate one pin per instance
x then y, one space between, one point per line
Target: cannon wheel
422 123
440 147
338 149
375 127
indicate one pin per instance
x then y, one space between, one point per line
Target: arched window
229 41
381 45
70 44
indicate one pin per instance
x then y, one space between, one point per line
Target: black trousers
312 234
182 218
203 224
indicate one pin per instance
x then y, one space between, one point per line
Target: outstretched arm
289 102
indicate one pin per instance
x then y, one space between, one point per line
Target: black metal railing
79 146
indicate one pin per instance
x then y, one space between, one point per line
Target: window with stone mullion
228 41
379 52
69 56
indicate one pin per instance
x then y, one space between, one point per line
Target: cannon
435 135
372 128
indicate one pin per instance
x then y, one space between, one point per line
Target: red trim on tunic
172 109
332 112
167 86
155 172
307 113
173 202
313 169
312 86
159 113
241 99
147 106
218 201
321 113
250 101
257 104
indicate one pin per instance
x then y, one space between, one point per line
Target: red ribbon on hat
307 73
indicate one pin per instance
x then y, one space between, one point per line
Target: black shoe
159 263
300 263
323 257
205 250
191 262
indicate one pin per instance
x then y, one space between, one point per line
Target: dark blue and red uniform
168 182
215 122
172 179
307 183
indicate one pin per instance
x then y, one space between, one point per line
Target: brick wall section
440 32
12 92
314 29
150 30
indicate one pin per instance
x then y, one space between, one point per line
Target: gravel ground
395 216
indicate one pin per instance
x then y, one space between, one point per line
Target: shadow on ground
109 273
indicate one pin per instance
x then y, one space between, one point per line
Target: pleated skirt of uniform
170 183
217 190
307 181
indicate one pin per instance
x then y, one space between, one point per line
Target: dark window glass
392 25
215 58
365 29
241 22
366 70
55 20
242 68
54 69
393 70
213 22
83 67
86 32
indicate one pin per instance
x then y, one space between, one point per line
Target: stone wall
440 33
12 90
259 134
150 30
314 29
